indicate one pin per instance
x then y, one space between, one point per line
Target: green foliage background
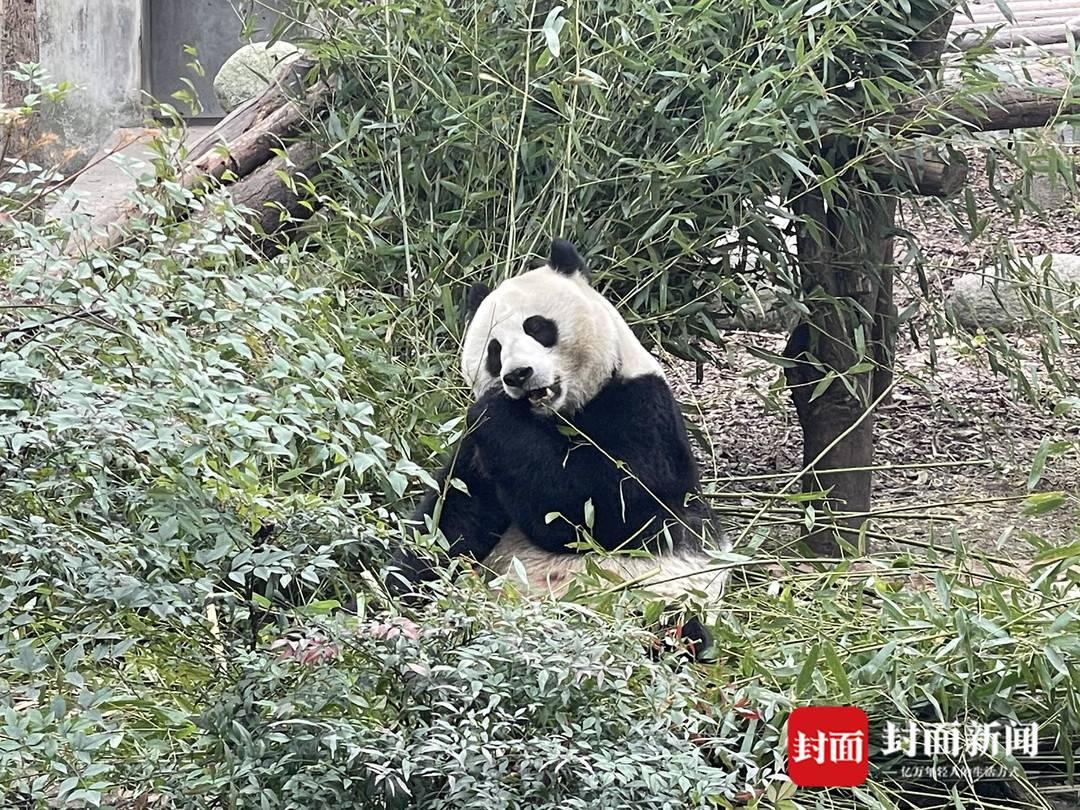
660 137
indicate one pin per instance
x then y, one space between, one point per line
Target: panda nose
518 377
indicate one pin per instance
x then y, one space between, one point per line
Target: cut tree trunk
1054 32
1041 91
930 174
274 192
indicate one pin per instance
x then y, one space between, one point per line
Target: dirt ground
957 443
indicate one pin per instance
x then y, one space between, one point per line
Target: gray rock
983 301
1049 192
251 70
759 311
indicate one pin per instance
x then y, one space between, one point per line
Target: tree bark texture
845 259
18 44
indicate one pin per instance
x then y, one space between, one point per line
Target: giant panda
573 428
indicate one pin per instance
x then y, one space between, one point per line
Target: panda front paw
503 435
492 410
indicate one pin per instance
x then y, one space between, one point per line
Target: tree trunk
845 258
844 350
18 45
275 193
884 333
18 33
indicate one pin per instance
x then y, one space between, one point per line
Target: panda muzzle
547 393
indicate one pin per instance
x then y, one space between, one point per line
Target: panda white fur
546 356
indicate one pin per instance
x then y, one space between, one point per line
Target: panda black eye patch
542 330
494 358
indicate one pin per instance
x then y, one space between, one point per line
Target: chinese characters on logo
828 746
952 739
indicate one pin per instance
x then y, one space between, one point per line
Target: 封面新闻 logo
829 746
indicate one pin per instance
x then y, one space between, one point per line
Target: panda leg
471 521
550 574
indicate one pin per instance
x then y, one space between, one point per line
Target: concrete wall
214 28
95 44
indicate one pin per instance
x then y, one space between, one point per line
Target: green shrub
159 405
484 704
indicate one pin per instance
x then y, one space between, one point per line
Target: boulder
251 70
760 310
983 301
1049 192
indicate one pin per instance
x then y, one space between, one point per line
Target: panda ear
477 293
565 259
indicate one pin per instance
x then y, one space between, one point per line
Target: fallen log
1040 92
251 137
929 173
273 191
288 86
240 155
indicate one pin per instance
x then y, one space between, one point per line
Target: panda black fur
547 355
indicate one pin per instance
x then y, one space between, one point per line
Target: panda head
547 336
